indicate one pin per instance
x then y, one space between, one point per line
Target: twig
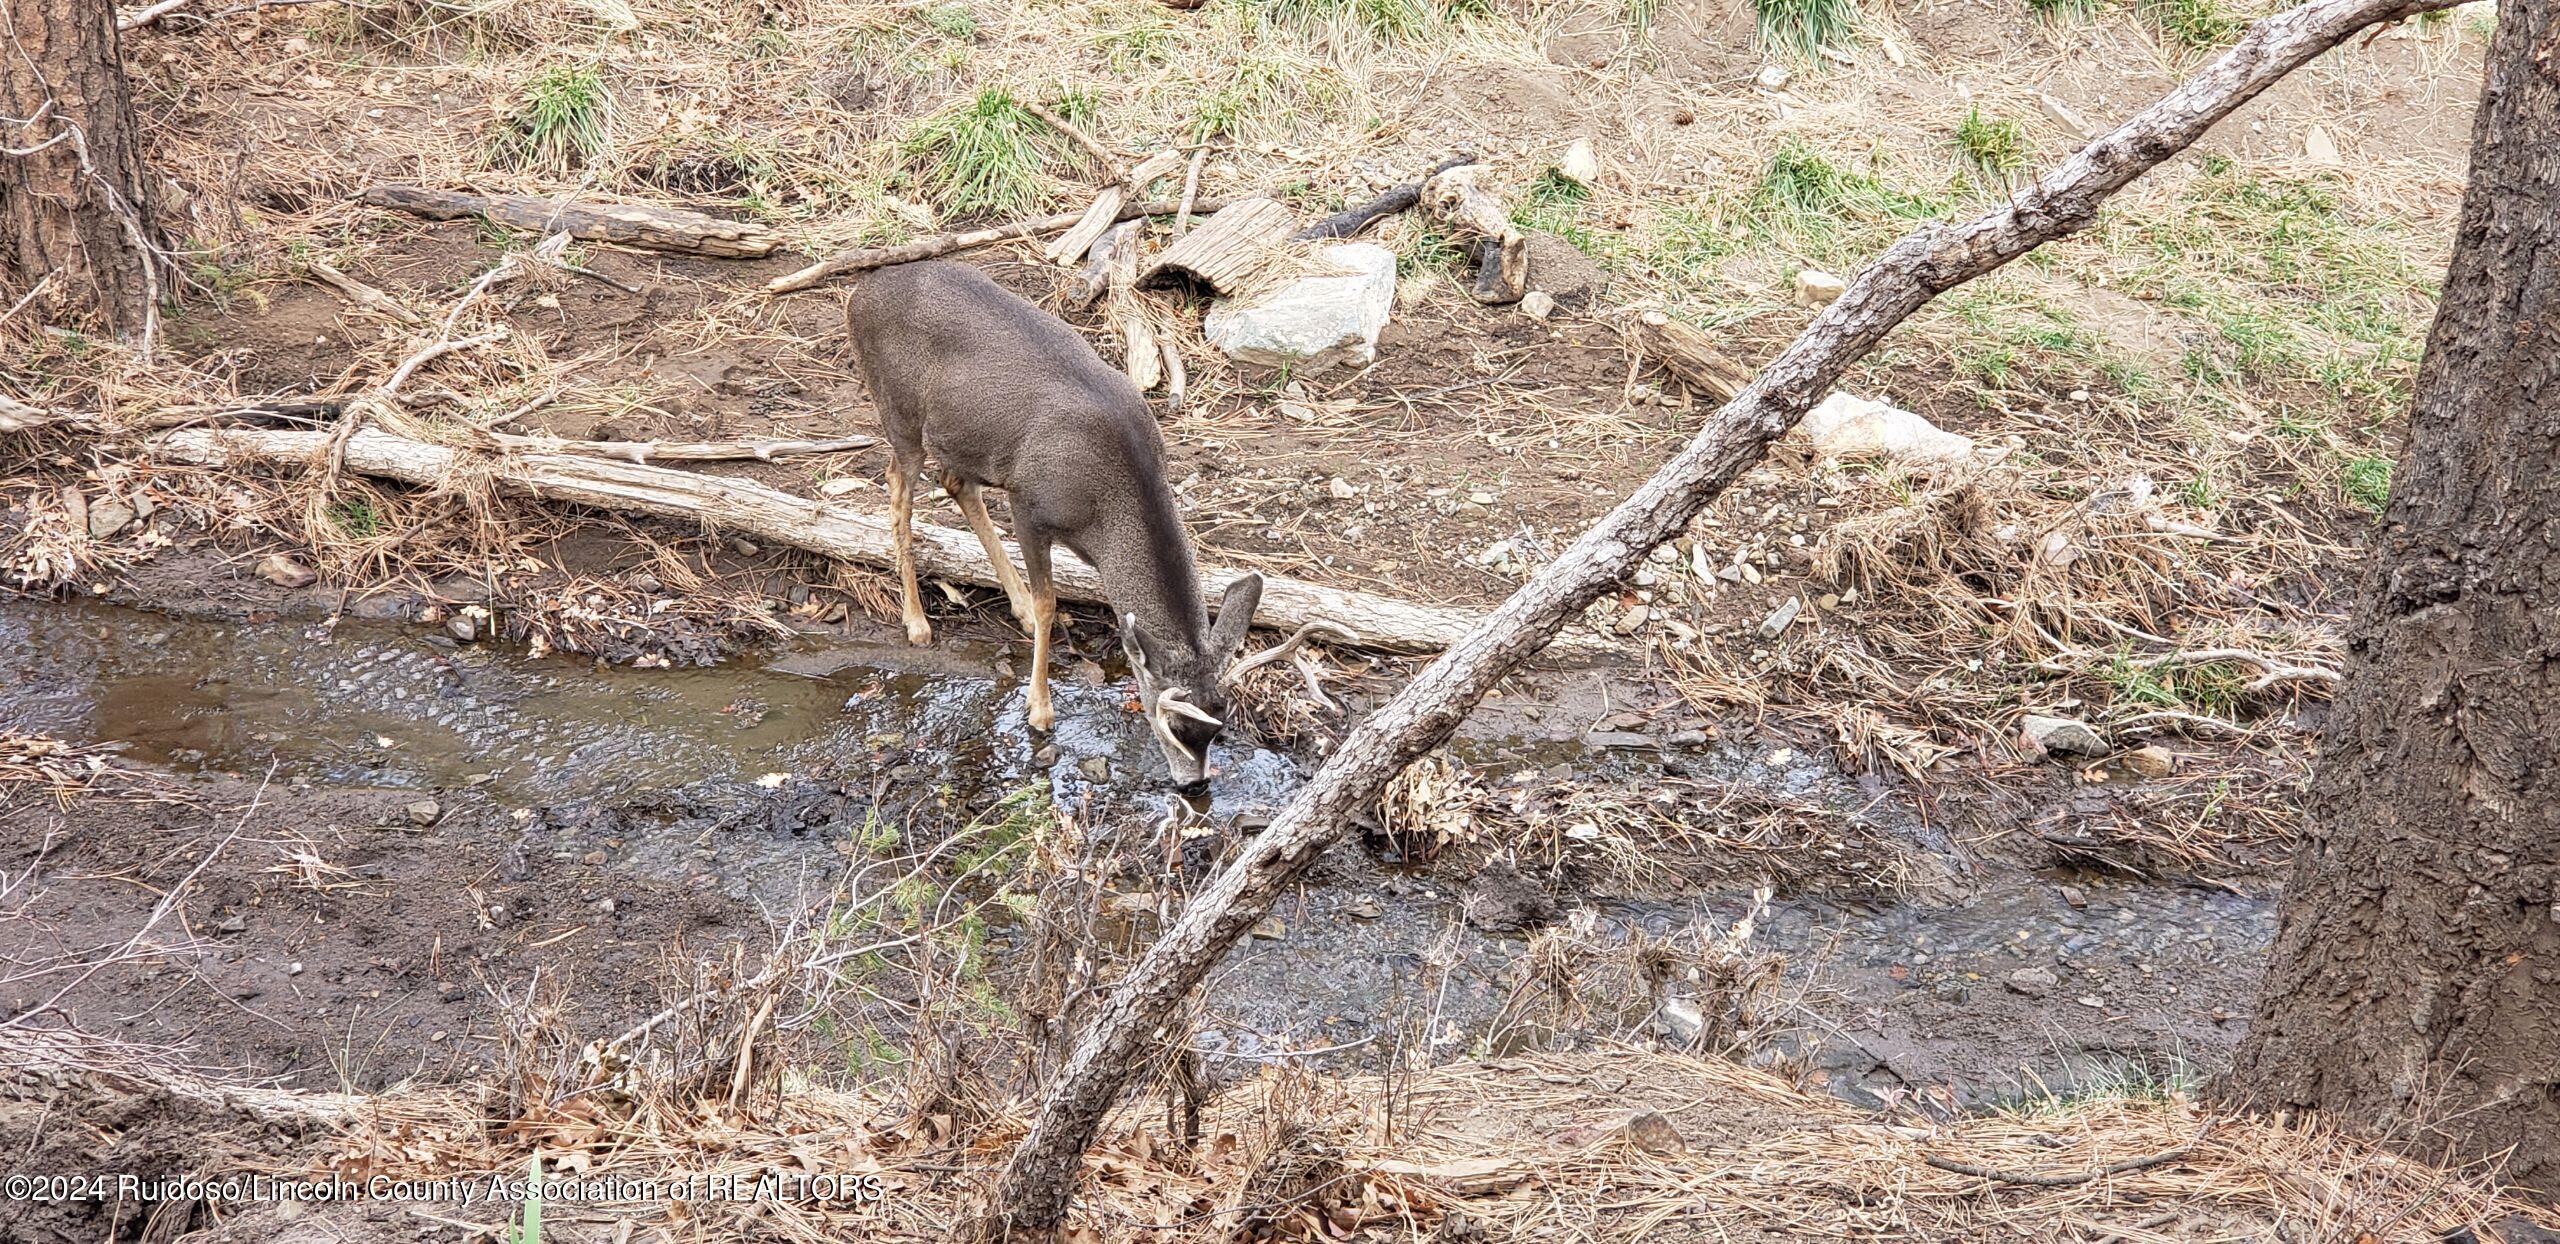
150 15
1109 159
1190 191
689 451
365 295
408 366
2072 1180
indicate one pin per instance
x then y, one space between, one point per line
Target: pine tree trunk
2416 973
76 210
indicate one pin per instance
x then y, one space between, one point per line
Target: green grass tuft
2055 10
1251 101
982 156
2194 24
2368 480
562 120
1994 145
1800 26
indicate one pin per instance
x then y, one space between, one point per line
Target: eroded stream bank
608 815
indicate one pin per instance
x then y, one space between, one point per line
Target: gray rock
1538 305
1094 768
2033 982
461 627
1782 618
1314 322
2062 734
424 812
107 516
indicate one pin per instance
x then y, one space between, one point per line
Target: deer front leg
1044 620
902 542
973 506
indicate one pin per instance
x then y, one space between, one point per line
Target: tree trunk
77 212
2416 973
1031 1197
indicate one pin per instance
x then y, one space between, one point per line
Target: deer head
1183 691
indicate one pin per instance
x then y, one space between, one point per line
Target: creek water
1370 959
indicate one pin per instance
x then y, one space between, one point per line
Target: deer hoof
1042 717
920 632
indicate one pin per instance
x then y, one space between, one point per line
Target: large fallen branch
630 224
947 243
1030 1200
749 508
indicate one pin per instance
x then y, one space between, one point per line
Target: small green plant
1640 17
1801 26
528 1229
1252 100
2194 24
562 120
981 156
1142 44
2058 9
1996 146
1689 242
356 517
1427 250
952 21
2368 480
1382 19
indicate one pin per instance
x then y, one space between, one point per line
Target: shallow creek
1897 997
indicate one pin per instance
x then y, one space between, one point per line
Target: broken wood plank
947 243
629 224
1214 256
744 507
1688 355
1098 217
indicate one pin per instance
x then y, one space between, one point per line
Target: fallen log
629 224
645 452
946 243
1690 356
1030 1199
747 508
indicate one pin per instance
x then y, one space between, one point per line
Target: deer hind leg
902 541
1044 621
973 506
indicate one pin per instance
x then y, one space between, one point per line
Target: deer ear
1235 617
1135 645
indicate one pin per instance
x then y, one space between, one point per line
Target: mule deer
1006 395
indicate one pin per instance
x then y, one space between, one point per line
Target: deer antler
1281 650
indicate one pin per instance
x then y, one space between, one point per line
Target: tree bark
2416 972
78 216
1031 1196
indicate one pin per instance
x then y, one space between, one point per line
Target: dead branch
364 295
17 416
1030 1199
946 243
1396 199
690 451
2071 1179
626 224
743 507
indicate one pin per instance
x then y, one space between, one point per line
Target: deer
1004 395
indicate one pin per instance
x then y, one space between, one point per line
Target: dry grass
1531 1147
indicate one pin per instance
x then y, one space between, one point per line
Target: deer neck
1144 559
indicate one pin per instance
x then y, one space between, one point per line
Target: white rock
2319 148
2062 734
1846 426
1773 77
1785 616
1538 305
1315 322
1581 163
1817 288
